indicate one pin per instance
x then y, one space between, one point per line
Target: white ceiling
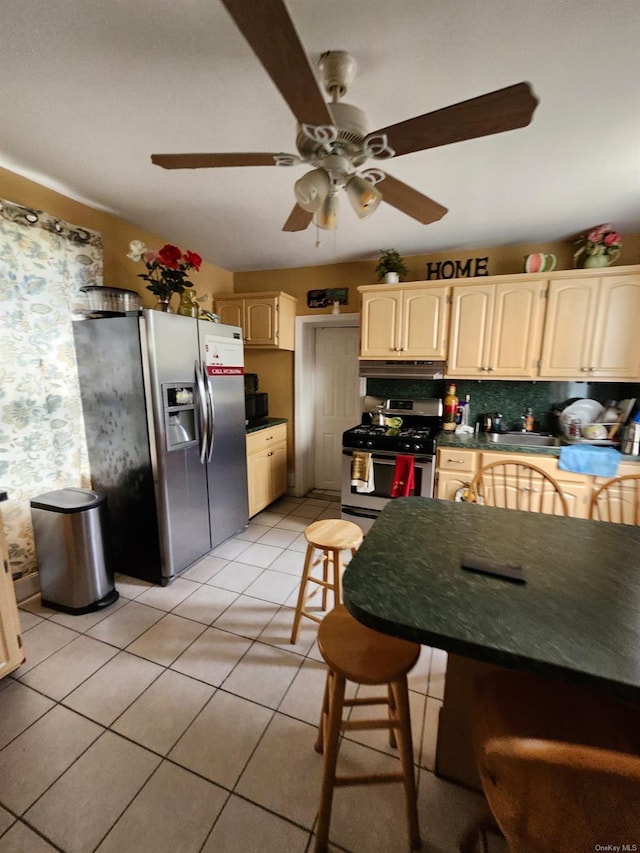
90 89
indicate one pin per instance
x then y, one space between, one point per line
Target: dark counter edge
454 646
269 422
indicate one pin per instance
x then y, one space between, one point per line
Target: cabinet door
278 461
471 315
516 334
567 342
380 324
616 338
11 652
259 481
230 312
577 496
423 323
261 322
448 485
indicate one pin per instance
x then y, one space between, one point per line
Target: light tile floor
181 719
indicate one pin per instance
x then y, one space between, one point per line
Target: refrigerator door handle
204 413
211 412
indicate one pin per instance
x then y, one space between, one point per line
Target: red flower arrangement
166 269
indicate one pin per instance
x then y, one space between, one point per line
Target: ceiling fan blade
495 112
212 161
298 220
272 37
410 201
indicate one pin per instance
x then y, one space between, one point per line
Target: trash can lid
67 500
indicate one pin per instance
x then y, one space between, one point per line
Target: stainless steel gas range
414 437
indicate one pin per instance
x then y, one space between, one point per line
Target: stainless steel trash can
70 530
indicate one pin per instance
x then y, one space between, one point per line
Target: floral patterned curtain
43 263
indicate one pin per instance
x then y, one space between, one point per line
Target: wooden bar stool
331 536
356 653
559 765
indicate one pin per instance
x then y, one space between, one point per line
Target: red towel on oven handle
403 477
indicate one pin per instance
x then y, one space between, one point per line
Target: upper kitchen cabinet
591 330
496 329
404 322
267 319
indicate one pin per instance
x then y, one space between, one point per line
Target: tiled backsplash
509 398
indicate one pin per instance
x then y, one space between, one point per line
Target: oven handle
389 457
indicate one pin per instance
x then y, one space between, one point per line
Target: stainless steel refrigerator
164 418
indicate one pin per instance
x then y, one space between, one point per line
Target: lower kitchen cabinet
266 466
11 651
456 468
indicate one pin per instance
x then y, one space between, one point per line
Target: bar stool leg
337 577
324 714
325 578
401 696
301 594
393 715
334 724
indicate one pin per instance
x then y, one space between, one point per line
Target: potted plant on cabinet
390 266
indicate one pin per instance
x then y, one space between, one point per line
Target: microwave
256 406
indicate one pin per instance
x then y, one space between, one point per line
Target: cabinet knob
270 453
584 369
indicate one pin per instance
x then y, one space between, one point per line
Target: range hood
402 369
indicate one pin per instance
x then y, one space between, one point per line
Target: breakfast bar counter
577 615
576 618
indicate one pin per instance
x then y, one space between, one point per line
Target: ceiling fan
333 137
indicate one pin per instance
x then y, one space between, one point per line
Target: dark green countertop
268 422
578 616
480 441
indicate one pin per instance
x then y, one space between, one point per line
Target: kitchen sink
523 439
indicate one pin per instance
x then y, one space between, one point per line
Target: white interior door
337 398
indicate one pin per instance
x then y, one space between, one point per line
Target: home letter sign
458 269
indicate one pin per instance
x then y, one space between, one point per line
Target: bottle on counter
450 409
529 420
465 412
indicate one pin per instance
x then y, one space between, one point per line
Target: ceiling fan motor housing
351 126
337 71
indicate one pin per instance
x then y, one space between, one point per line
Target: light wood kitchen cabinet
267 319
11 651
266 466
576 488
591 329
496 329
404 322
454 470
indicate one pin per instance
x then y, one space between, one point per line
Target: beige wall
119 271
502 261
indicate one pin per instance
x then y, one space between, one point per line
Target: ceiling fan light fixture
326 216
364 197
312 189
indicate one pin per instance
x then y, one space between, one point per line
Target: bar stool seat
355 653
331 536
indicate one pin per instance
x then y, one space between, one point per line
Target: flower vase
595 261
163 303
391 277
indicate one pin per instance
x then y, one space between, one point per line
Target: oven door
383 467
